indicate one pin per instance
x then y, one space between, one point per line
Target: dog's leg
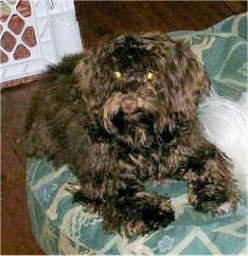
128 211
111 187
211 186
133 210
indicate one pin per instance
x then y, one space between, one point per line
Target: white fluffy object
225 124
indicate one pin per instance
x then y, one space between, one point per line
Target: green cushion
63 227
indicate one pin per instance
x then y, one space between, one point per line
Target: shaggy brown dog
126 114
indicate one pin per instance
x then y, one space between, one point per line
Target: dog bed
63 227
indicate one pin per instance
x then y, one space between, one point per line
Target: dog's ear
83 71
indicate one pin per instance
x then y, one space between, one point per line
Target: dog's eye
118 74
150 76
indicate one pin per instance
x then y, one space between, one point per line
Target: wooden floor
96 19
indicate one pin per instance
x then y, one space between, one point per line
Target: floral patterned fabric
63 227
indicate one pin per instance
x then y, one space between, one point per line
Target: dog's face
142 85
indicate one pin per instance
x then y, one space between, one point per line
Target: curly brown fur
125 114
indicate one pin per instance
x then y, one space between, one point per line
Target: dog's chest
146 163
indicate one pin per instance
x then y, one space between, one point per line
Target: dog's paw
73 187
144 212
213 205
149 222
155 212
137 227
224 208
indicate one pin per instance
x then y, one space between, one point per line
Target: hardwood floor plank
99 18
16 233
14 108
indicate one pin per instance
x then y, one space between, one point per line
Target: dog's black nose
129 105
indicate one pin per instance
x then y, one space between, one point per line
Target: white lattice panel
34 34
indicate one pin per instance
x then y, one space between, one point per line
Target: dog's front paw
225 208
73 187
152 218
158 216
138 214
214 203
153 212
135 227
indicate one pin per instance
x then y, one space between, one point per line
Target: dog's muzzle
129 106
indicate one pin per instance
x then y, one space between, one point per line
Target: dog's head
141 85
